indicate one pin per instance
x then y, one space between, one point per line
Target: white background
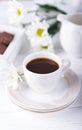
14 118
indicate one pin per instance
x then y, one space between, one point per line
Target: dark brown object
5 39
2 48
42 65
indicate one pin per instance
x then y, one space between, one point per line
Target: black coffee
42 65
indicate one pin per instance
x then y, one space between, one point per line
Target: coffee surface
42 65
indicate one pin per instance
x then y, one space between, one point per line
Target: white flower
36 32
8 74
32 30
38 35
16 12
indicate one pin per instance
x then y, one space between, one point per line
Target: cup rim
49 53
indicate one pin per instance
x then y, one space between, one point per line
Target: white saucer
30 100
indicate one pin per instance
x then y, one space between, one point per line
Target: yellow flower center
44 47
40 32
18 12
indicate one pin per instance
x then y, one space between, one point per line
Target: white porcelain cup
44 83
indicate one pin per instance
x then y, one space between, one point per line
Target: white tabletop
13 117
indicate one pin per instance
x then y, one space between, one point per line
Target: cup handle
65 65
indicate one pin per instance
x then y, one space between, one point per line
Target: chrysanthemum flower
16 12
38 35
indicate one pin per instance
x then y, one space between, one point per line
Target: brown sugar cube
2 48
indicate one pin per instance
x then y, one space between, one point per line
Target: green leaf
48 8
54 28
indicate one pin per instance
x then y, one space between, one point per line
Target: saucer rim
45 110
